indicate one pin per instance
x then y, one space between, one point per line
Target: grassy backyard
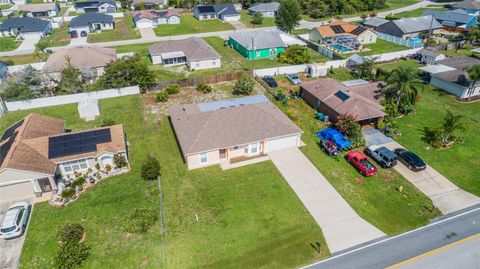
378 201
123 30
189 24
461 163
245 18
8 43
382 46
248 217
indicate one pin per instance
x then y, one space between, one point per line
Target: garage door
17 192
231 18
143 24
281 143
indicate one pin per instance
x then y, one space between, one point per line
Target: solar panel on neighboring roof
337 29
11 130
71 144
359 30
342 95
206 9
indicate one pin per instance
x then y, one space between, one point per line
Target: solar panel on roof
337 29
206 9
11 130
72 144
342 95
358 30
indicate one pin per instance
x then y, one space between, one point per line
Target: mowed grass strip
8 43
190 25
248 217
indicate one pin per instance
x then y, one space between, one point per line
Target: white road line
391 238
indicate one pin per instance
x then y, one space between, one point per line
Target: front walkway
341 226
445 195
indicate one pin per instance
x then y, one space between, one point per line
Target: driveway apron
341 226
445 195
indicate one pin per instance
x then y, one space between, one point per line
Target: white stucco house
153 18
35 153
89 23
25 27
41 10
195 52
101 6
268 10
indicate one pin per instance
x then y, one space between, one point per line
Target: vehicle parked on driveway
331 134
294 78
270 81
15 220
361 162
329 147
383 156
410 159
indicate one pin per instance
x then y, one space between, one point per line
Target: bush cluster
140 220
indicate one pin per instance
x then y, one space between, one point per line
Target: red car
360 161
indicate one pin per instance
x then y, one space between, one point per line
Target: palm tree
403 85
474 75
451 124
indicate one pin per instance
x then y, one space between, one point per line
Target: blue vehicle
331 134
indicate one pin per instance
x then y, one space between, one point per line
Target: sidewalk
340 224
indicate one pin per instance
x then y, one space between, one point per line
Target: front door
223 153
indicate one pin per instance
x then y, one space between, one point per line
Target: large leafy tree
127 72
403 86
295 54
71 80
288 15
366 70
257 18
474 75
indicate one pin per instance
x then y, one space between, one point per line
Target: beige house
231 130
41 10
35 153
90 60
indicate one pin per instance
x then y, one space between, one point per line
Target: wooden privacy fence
190 82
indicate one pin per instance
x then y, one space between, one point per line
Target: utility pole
253 57
430 30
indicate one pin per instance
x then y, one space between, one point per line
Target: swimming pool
340 48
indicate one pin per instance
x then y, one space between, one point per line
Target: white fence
70 99
400 41
378 58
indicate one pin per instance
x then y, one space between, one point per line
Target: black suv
270 81
410 159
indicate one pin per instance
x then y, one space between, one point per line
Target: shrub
78 182
68 193
244 86
295 54
97 166
150 168
140 220
161 97
347 125
119 160
172 89
203 87
71 252
292 114
257 18
107 122
108 168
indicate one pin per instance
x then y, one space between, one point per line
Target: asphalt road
393 250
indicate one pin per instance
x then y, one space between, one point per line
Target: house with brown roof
153 18
342 33
195 52
223 131
90 60
41 10
36 153
333 98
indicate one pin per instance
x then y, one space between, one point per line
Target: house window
74 165
214 62
273 52
251 148
235 148
257 53
205 16
203 157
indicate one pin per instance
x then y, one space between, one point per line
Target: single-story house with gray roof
469 6
195 52
258 44
225 131
410 27
25 26
428 56
90 22
268 10
223 12
374 22
101 6
453 19
41 10
451 76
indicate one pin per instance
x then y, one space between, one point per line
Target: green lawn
245 18
25 59
382 46
416 12
461 163
378 201
189 25
8 43
248 217
391 66
123 30
5 6
58 37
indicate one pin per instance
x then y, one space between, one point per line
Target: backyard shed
316 70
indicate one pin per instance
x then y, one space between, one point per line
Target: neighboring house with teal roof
257 44
453 18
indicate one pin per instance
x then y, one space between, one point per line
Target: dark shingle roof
90 17
92 3
224 9
417 24
24 24
449 16
460 62
468 4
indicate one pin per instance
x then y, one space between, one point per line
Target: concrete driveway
147 33
445 195
341 226
10 250
237 25
29 43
